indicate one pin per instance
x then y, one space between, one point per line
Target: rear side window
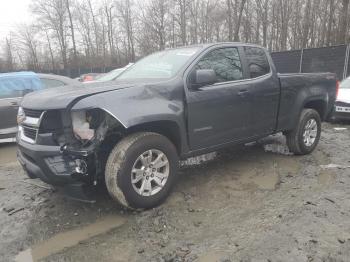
49 83
225 62
257 61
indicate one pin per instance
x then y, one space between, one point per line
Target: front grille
30 132
32 112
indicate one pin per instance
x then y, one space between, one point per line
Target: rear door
265 91
219 113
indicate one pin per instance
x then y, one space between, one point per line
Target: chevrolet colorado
130 133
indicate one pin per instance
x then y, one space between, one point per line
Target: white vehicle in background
342 104
112 75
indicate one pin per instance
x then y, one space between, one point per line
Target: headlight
20 116
81 125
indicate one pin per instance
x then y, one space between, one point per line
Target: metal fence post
346 62
301 59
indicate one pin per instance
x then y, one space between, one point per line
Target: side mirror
204 77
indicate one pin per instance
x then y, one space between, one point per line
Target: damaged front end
84 132
67 147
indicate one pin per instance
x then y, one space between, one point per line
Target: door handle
242 92
14 103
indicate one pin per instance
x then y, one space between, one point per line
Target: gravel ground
252 203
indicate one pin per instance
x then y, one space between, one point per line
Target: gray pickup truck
171 105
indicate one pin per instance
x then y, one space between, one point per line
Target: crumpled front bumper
46 162
50 165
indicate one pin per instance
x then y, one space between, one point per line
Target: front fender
135 106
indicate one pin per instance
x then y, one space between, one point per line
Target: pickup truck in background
170 105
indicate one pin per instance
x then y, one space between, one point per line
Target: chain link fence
334 59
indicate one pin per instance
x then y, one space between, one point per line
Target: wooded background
72 34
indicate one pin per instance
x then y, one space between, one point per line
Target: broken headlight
20 116
82 128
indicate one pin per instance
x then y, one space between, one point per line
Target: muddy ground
252 203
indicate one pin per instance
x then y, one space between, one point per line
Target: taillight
88 78
337 88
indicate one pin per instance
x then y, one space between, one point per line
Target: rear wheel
141 170
306 135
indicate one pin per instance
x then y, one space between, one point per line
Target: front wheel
141 170
304 138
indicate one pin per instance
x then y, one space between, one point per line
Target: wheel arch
319 105
169 129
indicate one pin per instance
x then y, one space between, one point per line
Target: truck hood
61 97
344 95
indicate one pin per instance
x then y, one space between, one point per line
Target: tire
295 138
126 156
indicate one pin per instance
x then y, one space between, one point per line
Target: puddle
326 178
266 180
193 161
69 239
8 153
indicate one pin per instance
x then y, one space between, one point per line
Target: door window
49 83
225 62
257 61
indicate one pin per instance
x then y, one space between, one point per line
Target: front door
219 113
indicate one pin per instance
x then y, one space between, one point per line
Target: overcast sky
12 13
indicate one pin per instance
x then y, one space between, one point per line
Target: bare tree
53 13
9 56
28 42
181 19
155 17
72 29
239 18
126 19
342 33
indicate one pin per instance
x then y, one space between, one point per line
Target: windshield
164 64
110 75
345 83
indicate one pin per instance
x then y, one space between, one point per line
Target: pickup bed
131 132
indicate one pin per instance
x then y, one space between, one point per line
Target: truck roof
207 45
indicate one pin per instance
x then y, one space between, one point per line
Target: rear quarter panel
297 90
